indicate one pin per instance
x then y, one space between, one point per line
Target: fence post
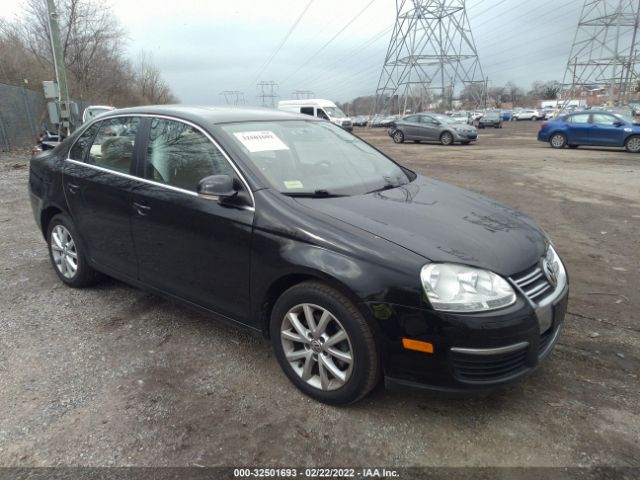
28 112
3 134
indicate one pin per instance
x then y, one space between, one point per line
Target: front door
189 245
429 128
606 130
97 184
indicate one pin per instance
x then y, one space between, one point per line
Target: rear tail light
542 125
35 150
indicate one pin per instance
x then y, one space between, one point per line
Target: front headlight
459 288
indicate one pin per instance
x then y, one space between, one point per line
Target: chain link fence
23 113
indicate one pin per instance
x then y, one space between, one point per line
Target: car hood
442 223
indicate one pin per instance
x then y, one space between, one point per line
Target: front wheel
67 256
633 144
398 137
558 140
446 138
324 344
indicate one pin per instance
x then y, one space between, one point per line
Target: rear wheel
446 138
324 344
633 144
398 137
558 140
67 256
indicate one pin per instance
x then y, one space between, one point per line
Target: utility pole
61 73
267 93
431 43
303 94
604 51
233 97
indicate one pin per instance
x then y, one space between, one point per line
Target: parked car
360 121
527 114
491 118
461 117
354 266
317 107
432 128
93 111
506 115
604 129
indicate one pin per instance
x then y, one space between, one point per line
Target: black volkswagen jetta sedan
355 267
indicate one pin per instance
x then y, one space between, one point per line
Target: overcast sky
205 47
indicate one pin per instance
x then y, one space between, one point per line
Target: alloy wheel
633 144
447 138
398 137
558 141
317 346
63 250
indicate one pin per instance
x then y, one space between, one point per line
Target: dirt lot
115 376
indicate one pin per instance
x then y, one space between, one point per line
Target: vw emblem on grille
551 270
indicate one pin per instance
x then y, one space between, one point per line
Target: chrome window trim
150 182
491 351
144 180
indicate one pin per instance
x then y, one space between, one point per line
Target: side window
112 147
603 119
412 118
426 119
579 118
180 155
321 114
81 147
307 110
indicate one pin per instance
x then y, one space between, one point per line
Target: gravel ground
114 376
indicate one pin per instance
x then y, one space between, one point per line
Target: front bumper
466 136
471 352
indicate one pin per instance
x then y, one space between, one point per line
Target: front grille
488 368
534 283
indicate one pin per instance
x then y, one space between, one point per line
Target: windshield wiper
388 185
315 194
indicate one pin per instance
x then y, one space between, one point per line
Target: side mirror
221 186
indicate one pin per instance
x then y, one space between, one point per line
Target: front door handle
73 188
142 209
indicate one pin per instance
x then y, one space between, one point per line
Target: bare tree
93 44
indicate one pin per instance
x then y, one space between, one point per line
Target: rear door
606 130
188 245
411 127
97 179
578 129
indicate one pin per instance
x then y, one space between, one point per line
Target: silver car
431 127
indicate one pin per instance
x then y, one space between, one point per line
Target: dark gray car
430 127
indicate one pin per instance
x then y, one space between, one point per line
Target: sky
336 50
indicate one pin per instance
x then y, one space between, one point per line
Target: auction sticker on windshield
265 141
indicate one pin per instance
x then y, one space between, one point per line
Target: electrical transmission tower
303 94
431 52
268 93
604 53
233 97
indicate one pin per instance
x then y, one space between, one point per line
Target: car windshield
334 112
309 158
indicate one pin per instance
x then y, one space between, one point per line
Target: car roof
211 114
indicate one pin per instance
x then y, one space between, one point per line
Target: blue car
602 129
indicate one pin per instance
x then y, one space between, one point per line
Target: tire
298 359
398 137
632 144
66 254
446 138
558 140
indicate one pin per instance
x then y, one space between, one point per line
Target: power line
284 40
321 49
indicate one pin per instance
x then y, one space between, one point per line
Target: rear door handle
73 188
141 208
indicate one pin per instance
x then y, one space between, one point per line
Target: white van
318 108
